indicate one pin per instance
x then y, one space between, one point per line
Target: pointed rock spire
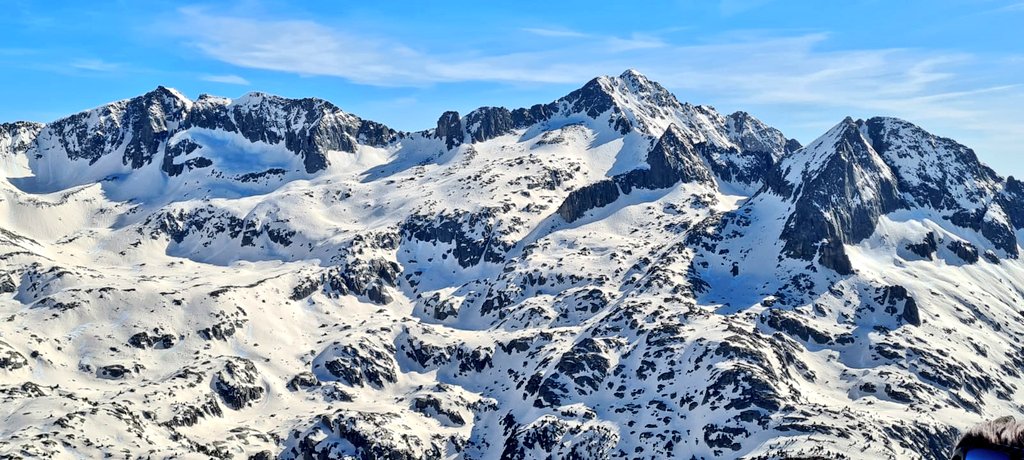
449 128
672 160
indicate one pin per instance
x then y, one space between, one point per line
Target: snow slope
614 274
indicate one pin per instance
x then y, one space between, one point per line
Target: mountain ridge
613 274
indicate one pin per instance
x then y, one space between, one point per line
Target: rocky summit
614 274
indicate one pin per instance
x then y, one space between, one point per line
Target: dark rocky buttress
672 160
449 128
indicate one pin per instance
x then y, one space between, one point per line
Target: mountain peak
844 181
168 92
840 187
637 81
844 149
631 85
632 74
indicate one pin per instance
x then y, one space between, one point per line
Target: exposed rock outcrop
238 383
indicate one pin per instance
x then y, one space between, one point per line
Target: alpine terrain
615 274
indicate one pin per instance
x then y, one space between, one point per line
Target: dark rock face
140 125
962 178
927 248
964 250
892 297
440 308
593 196
334 393
792 145
157 340
583 368
189 414
10 359
306 288
760 146
354 274
756 164
473 235
788 323
220 331
433 407
308 127
449 128
523 117
254 230
148 130
210 222
238 383
488 122
303 380
1000 234
881 165
1012 201
247 177
375 134
113 372
832 254
752 385
178 149
592 99
363 278
672 160
19 135
7 285
841 202
359 364
207 221
262 455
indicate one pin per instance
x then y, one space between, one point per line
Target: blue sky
955 67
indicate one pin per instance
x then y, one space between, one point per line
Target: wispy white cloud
797 73
310 48
228 79
754 66
306 47
95 65
634 42
1011 8
562 33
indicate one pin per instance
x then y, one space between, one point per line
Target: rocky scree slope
614 274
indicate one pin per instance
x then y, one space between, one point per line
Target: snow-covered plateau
614 274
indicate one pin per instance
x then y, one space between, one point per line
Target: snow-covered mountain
614 274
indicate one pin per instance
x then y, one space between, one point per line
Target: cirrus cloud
797 74
227 79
